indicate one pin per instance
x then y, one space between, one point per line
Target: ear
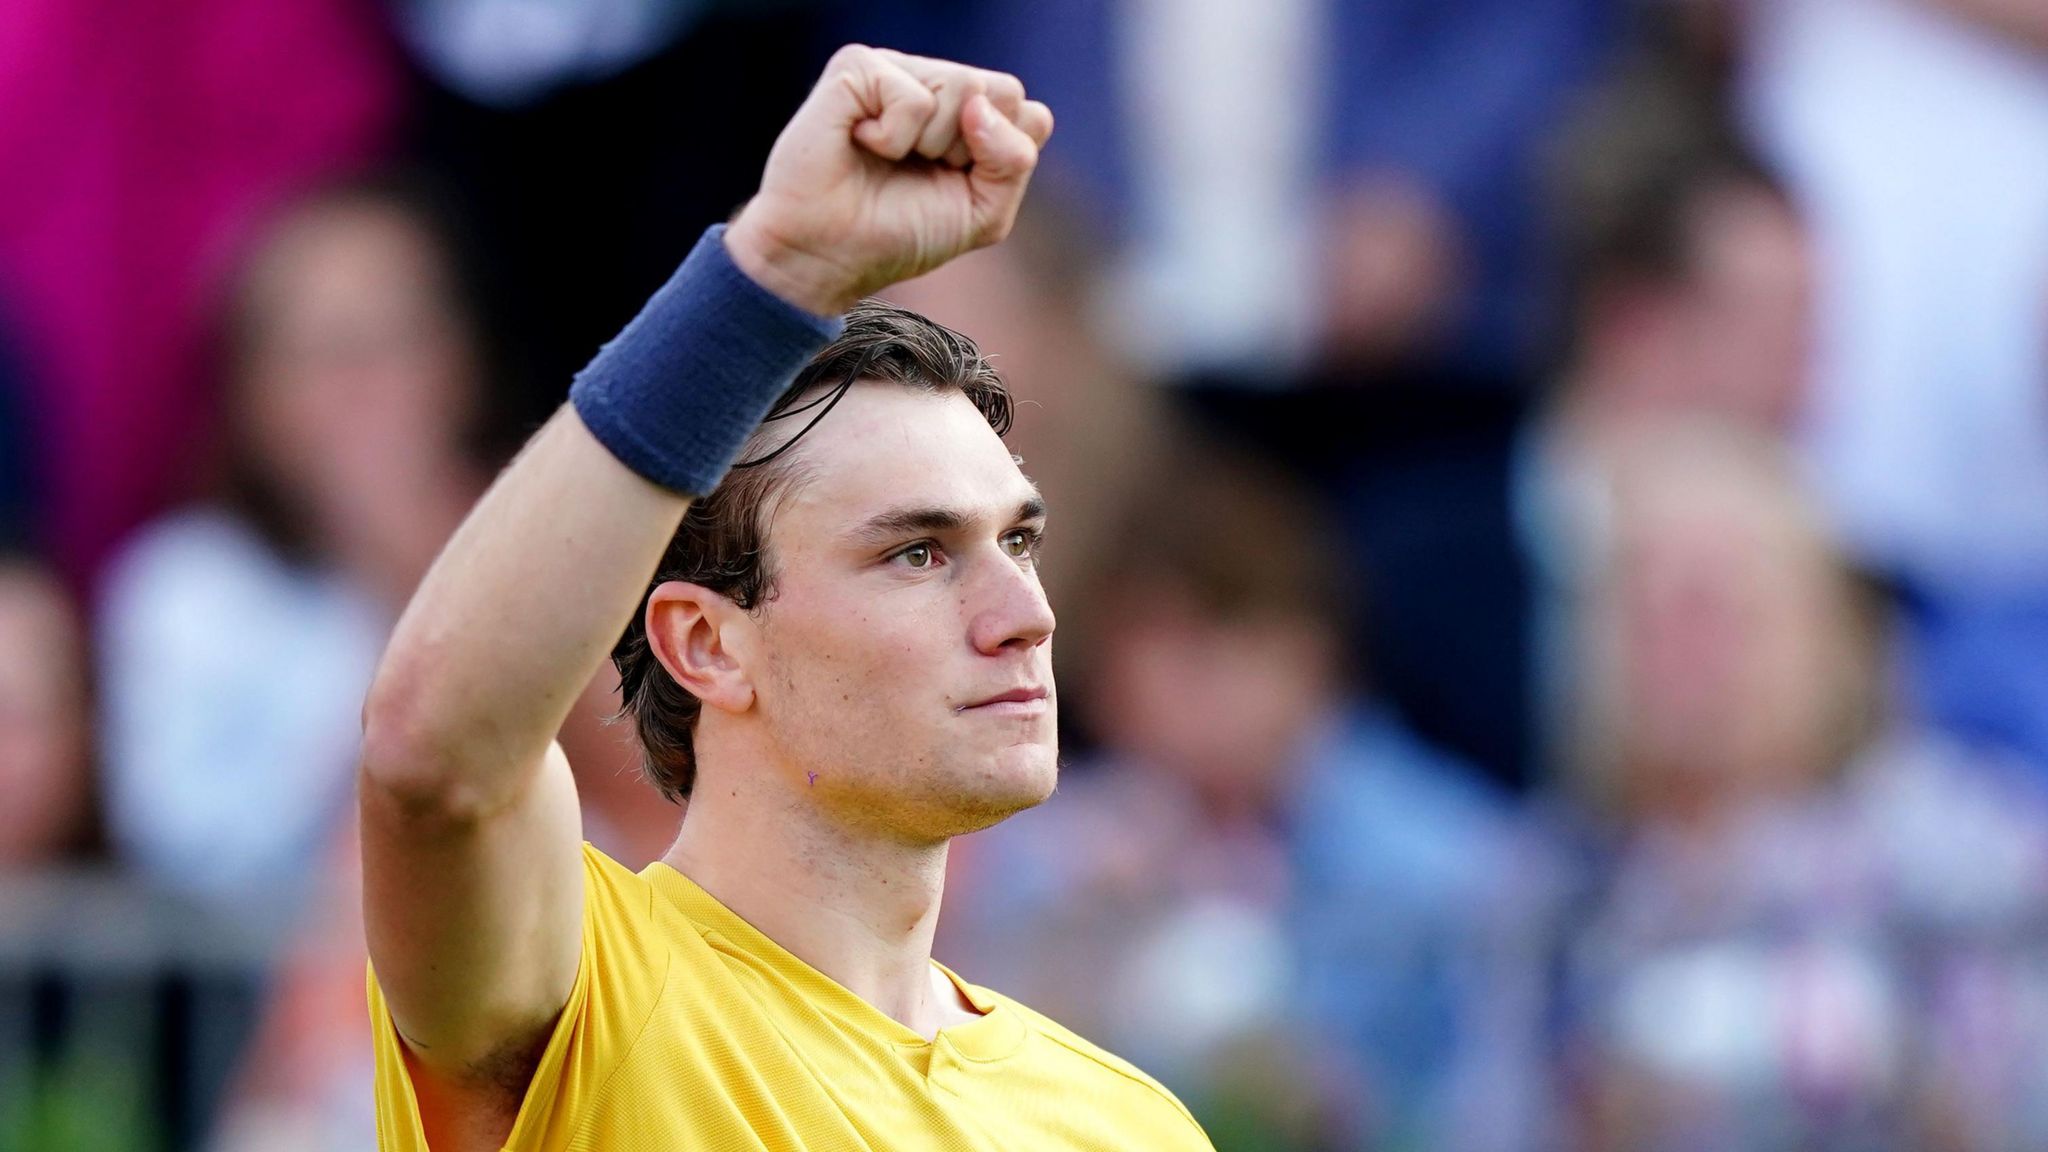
694 632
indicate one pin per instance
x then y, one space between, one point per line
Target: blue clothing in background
1459 95
1425 903
1390 916
1976 665
1456 95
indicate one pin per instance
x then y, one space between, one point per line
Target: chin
1018 777
1032 771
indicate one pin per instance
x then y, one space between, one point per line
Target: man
851 667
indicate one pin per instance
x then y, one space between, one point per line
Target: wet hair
723 543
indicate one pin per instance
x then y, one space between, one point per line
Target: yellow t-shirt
689 1029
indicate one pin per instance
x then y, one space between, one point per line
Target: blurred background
1550 535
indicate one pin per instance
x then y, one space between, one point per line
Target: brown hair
246 483
1628 172
1236 533
723 541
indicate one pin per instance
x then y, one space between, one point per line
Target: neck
858 908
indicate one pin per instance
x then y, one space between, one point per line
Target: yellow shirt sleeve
619 977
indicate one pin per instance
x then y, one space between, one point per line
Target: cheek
859 660
858 694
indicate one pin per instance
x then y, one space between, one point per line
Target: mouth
1026 701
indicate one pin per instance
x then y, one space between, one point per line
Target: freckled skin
866 661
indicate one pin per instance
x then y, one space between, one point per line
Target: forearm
514 618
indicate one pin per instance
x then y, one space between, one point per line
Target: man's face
903 661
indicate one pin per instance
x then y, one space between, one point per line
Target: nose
1009 609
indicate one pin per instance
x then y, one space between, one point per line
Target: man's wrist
815 285
676 394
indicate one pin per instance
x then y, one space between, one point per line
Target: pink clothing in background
138 138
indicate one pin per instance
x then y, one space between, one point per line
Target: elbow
402 753
412 756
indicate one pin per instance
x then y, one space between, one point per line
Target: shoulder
627 956
621 925
1083 1058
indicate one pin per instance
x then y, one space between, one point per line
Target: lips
1025 695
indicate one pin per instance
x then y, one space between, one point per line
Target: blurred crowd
1550 535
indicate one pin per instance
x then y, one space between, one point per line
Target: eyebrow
888 527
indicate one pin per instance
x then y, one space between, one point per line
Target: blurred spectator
19 469
1917 139
1684 285
305 1079
1350 178
239 635
1688 270
1436 112
1821 924
45 748
360 367
1688 292
577 138
511 52
139 137
1317 929
1090 429
1915 133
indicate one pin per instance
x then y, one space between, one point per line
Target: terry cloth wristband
676 394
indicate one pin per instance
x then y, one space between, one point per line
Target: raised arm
472 878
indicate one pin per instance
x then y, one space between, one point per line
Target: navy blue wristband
676 394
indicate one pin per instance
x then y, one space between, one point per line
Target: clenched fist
894 165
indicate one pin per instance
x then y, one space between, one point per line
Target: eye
1020 543
917 555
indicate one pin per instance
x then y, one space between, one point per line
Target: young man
843 662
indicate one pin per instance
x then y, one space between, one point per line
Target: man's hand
894 165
